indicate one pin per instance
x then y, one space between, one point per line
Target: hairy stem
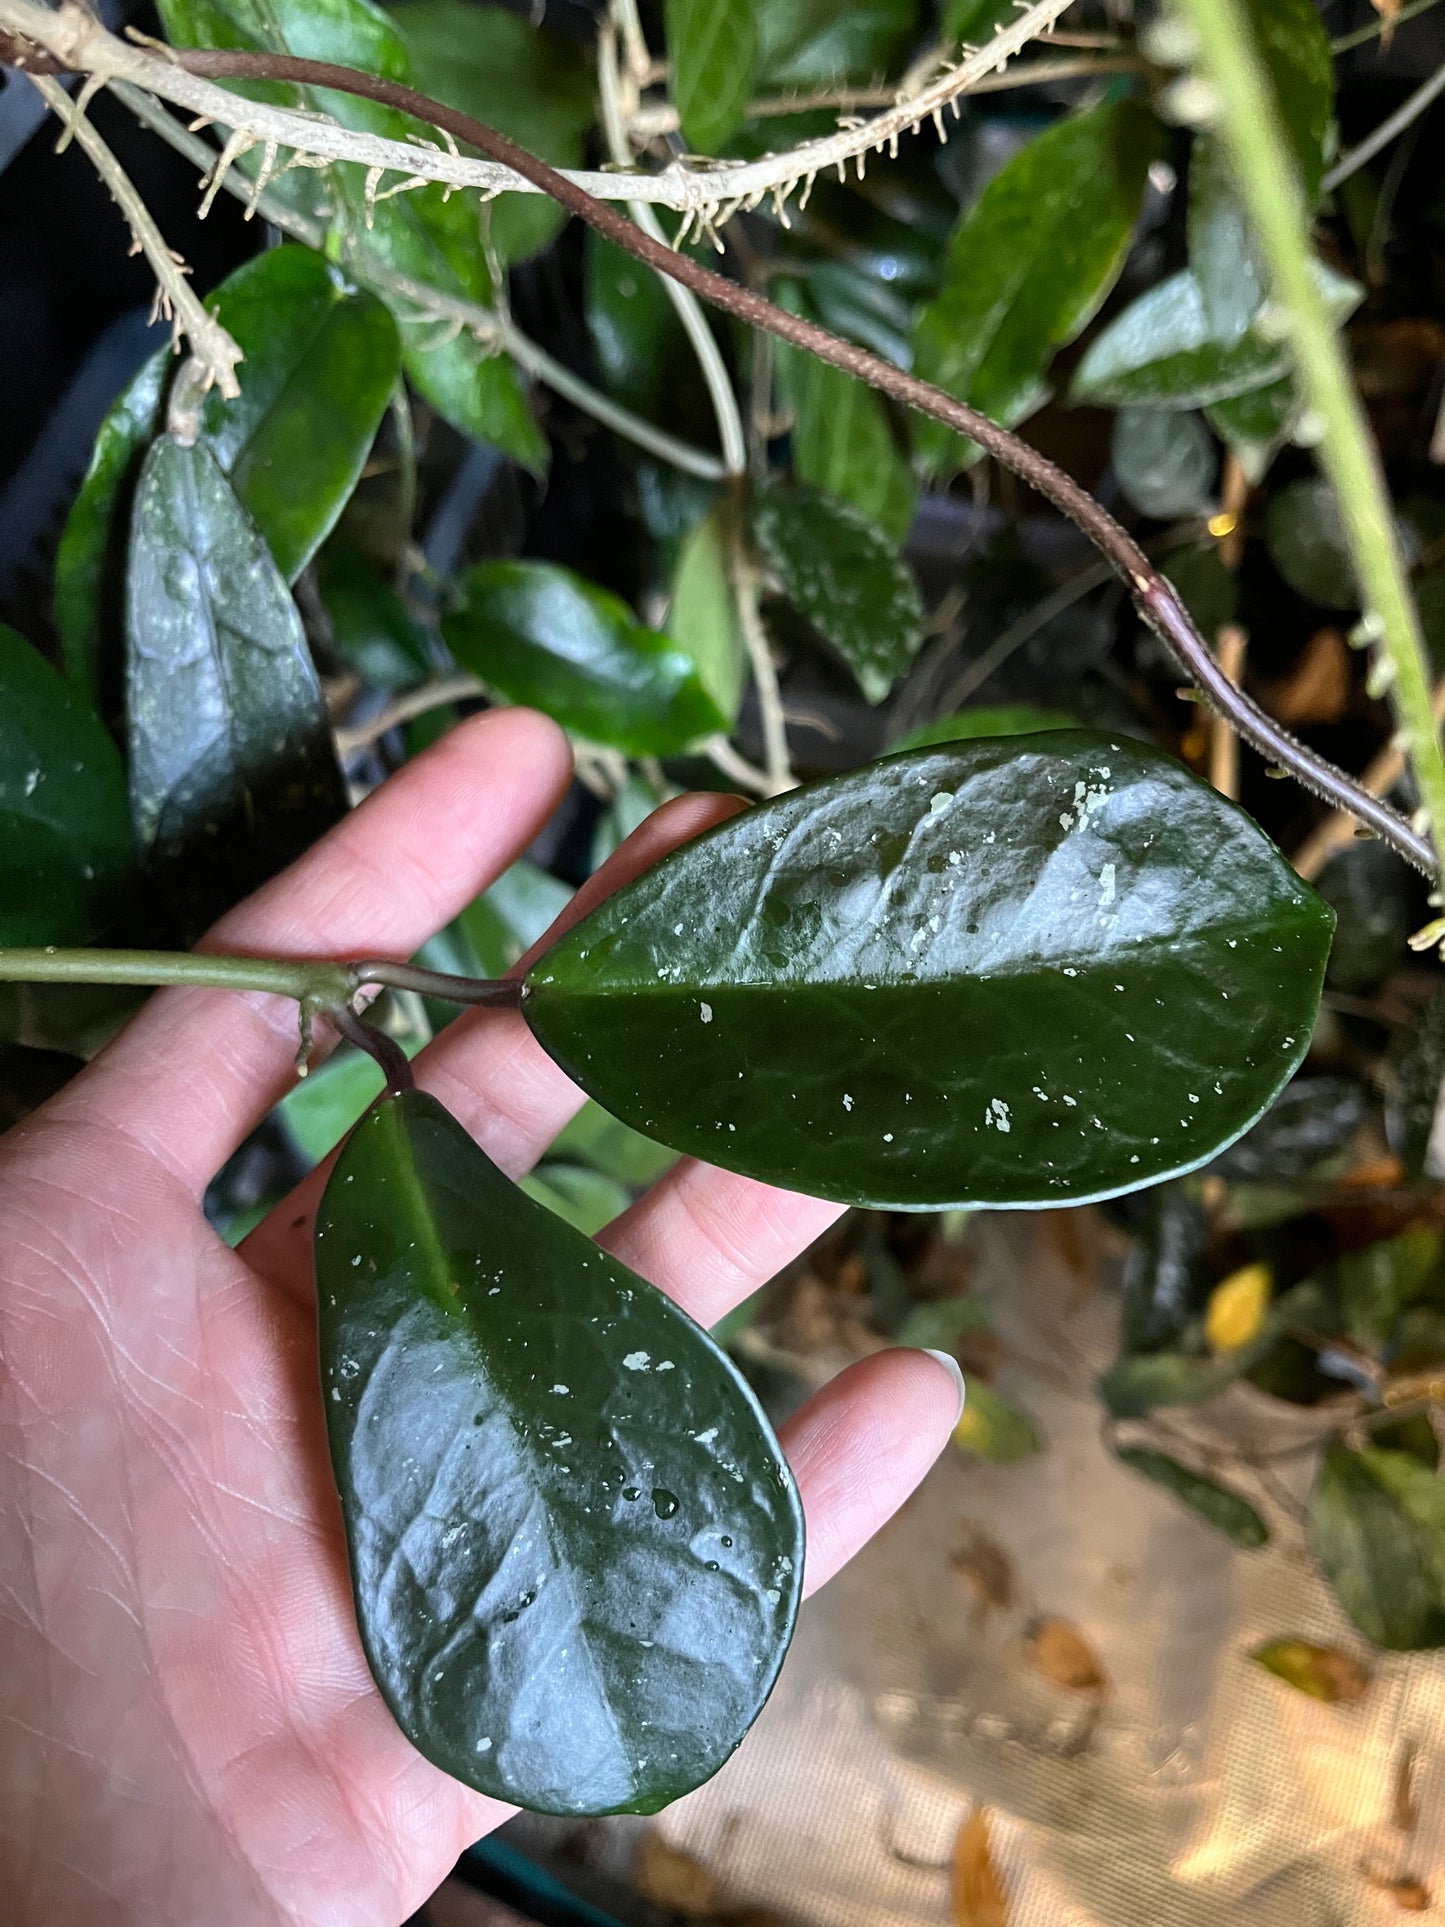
1269 185
1157 601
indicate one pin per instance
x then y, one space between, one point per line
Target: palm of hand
193 1733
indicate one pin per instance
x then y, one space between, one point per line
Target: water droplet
664 1503
631 1492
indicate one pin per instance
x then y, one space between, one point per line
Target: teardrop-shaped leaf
841 573
1164 460
1323 1672
575 1545
1235 1517
480 393
1377 1528
713 48
1028 265
65 844
1020 970
320 362
229 747
540 634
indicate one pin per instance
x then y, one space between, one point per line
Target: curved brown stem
1155 598
395 1066
490 993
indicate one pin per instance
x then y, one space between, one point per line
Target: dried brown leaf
978 1895
1323 1672
987 1568
668 1877
1063 1655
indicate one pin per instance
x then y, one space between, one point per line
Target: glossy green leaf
973 23
843 443
999 719
229 746
575 1546
810 45
1256 425
516 76
371 628
703 617
539 634
1162 353
90 561
841 573
1306 540
1235 1517
1029 264
642 352
1377 1531
713 49
65 846
481 394
1164 461
993 1429
1021 970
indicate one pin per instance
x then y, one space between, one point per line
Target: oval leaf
703 619
229 745
1323 1672
575 1545
539 634
1164 461
1020 970
840 572
1236 1518
713 46
843 443
64 840
1377 1528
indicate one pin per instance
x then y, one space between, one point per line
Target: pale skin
190 1731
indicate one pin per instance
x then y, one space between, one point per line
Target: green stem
309 981
1269 183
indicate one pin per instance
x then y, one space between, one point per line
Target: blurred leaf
585 1199
371 627
978 1896
1306 542
1209 591
1166 1283
516 76
539 634
843 443
1377 1283
1135 1386
596 1138
703 617
231 764
324 1105
991 1428
713 49
90 562
973 23
1238 1304
810 45
1415 1070
1323 1672
511 915
1373 894
999 719
1235 1517
1161 352
65 848
629 809
636 335
481 394
1164 461
320 363
1254 426
1296 52
1028 265
938 1326
1065 1657
1377 1530
1305 1133
841 574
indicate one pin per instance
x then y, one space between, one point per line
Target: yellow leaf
1237 1306
978 1895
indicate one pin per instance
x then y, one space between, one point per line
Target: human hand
192 1733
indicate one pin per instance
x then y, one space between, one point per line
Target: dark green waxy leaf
1235 1517
90 561
703 619
998 719
991 1428
1412 1093
841 574
1162 353
1295 49
1373 895
713 48
1375 1285
480 393
1377 1530
843 443
1020 970
809 45
1164 460
973 23
1306 541
1029 264
65 848
319 365
636 335
1166 1279
516 76
229 747
371 627
539 634
575 1546
1255 426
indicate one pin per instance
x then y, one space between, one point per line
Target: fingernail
955 1371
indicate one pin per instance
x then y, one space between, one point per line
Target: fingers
486 1067
860 1446
198 1069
